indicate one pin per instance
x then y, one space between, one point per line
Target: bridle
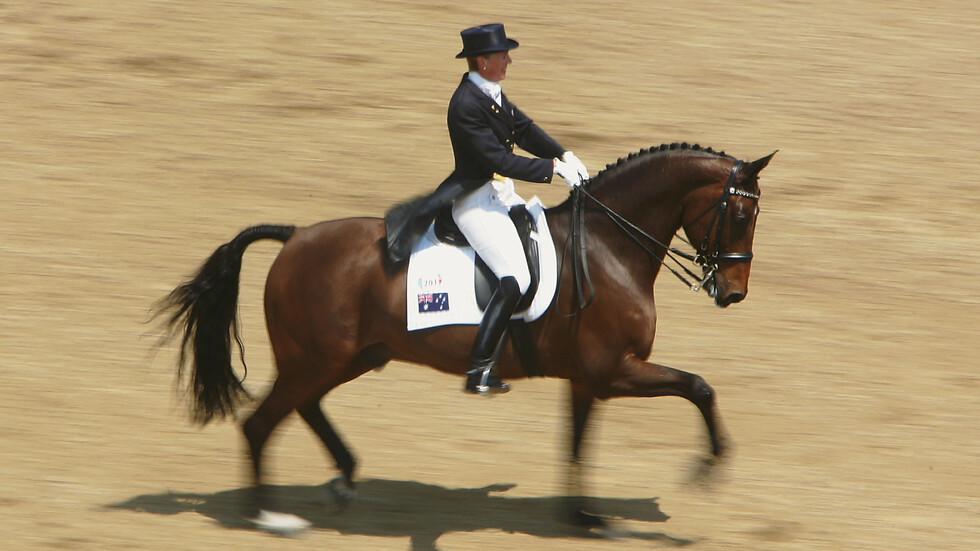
708 256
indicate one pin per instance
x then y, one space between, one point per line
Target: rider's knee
522 278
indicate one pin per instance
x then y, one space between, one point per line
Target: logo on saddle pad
430 300
449 285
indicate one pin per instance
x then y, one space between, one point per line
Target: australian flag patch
433 302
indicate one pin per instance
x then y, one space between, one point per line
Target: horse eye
741 217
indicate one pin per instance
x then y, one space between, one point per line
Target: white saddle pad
441 287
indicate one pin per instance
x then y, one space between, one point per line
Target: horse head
719 220
653 193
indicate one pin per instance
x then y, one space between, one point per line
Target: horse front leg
582 401
643 379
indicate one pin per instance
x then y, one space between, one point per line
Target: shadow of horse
421 512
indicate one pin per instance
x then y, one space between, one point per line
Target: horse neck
649 192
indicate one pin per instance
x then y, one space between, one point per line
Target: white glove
568 172
577 165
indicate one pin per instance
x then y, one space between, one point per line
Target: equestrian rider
484 127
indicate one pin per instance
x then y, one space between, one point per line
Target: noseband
708 257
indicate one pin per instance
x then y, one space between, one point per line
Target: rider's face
493 67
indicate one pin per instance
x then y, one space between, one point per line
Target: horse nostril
729 299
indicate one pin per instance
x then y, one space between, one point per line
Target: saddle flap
486 282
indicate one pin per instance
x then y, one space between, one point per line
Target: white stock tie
495 94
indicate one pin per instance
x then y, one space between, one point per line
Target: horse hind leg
342 488
280 401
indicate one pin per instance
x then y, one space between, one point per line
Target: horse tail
205 310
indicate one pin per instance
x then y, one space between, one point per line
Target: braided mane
652 151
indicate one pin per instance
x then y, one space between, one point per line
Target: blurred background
136 137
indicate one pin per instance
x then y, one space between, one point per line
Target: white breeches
483 217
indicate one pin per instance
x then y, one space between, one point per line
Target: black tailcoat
483 135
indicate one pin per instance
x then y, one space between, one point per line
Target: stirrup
483 381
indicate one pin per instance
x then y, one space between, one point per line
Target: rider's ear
756 166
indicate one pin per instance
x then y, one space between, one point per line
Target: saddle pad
441 289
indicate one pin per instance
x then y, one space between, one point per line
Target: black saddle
484 279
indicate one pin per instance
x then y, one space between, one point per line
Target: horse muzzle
722 290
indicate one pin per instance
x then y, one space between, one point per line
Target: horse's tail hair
204 309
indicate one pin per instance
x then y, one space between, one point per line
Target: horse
335 308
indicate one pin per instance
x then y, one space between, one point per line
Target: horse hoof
341 491
706 472
280 523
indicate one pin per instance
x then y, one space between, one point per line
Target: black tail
205 310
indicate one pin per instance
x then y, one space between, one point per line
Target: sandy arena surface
136 137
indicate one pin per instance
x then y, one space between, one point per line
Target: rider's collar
490 88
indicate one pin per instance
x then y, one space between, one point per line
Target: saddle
485 281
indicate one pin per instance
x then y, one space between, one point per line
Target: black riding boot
481 379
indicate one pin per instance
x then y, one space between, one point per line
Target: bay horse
335 307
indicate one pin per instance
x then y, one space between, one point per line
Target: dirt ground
136 137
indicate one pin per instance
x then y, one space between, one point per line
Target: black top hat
485 39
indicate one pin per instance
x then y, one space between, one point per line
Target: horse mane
644 153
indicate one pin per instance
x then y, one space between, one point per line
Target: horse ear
756 166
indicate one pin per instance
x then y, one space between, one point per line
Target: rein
707 260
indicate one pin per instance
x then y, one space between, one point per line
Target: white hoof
280 523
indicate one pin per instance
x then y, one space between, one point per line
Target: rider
484 126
